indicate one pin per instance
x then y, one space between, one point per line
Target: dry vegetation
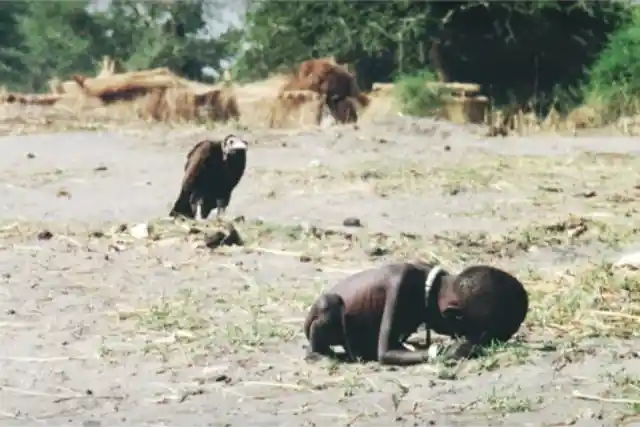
156 94
112 311
290 101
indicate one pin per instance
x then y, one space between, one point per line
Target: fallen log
29 99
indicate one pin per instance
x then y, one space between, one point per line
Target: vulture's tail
182 206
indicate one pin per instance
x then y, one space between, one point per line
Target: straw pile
155 94
302 97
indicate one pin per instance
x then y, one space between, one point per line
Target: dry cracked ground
100 327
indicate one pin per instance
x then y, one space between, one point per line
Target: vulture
212 171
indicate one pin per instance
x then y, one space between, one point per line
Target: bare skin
385 305
328 321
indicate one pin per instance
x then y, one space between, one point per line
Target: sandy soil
112 330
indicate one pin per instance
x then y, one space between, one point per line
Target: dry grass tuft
518 121
382 104
296 109
256 100
599 301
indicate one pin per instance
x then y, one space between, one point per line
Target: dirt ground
102 328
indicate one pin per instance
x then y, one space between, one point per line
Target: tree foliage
39 40
522 48
614 80
55 36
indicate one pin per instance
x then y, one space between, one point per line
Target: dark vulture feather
212 171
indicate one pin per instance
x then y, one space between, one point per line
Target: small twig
41 359
275 251
87 396
578 395
70 240
616 314
334 415
4 325
293 320
271 384
8 415
10 226
37 393
26 248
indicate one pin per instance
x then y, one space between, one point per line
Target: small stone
63 193
194 230
586 194
100 168
117 247
228 237
377 251
222 379
140 231
45 235
352 222
98 234
31 156
305 258
447 148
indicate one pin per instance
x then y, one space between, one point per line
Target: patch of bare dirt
108 321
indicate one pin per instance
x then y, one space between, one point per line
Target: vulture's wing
204 154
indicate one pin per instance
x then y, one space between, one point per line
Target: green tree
57 39
377 33
11 68
613 83
521 49
161 34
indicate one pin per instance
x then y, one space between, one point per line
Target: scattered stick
616 314
578 395
26 248
15 325
278 385
41 359
10 226
275 251
8 415
294 320
37 393
87 396
70 240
